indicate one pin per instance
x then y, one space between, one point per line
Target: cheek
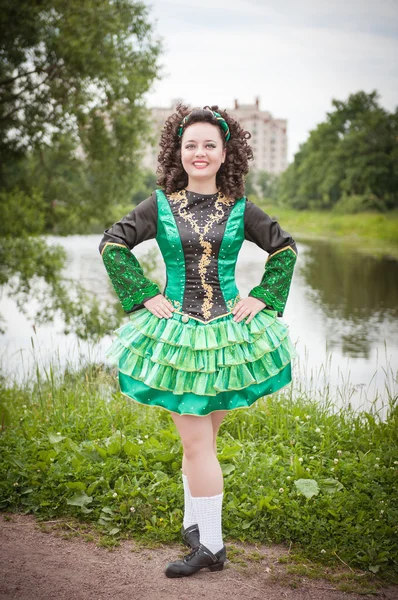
220 157
186 155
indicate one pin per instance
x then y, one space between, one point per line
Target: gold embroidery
233 302
230 304
181 198
112 244
175 303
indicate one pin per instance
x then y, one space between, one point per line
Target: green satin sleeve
127 277
274 287
266 233
131 285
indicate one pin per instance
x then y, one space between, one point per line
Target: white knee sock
189 513
208 510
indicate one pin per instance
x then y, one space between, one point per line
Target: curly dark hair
230 179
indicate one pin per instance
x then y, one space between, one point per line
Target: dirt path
40 565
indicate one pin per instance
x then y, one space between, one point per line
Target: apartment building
269 135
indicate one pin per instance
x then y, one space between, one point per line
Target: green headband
219 118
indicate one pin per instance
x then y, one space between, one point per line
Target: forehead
202 131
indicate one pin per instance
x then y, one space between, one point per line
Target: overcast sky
295 55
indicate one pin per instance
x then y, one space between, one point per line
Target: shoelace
194 551
191 554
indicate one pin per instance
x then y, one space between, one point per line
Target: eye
211 145
188 146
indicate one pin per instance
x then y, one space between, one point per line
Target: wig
230 179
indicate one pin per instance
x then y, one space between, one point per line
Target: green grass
73 447
373 233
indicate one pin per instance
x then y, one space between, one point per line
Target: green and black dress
199 360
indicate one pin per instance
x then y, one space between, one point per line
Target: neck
202 187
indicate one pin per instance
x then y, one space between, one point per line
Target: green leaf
227 468
307 487
330 485
76 485
90 454
114 447
101 451
107 510
160 476
265 502
374 568
154 442
79 499
166 457
94 485
120 484
55 438
131 449
86 510
76 462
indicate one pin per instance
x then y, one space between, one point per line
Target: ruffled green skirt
197 368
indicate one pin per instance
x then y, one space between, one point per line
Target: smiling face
202 152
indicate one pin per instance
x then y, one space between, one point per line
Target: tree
73 74
268 185
72 116
349 161
250 184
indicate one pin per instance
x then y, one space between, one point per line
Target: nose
199 151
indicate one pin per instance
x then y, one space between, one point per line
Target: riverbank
296 471
371 233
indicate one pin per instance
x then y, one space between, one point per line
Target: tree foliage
349 162
262 184
73 76
72 79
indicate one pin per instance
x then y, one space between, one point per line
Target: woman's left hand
249 306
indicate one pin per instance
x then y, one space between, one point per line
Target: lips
200 164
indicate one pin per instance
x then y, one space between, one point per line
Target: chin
205 174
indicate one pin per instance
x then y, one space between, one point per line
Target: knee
196 447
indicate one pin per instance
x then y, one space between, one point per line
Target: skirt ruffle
195 367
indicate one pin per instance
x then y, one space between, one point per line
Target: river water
342 315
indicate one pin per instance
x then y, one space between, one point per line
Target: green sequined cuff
127 277
275 284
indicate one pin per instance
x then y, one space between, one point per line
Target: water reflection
357 294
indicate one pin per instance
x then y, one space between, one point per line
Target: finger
237 307
164 309
169 308
155 312
251 316
242 310
241 315
168 304
163 312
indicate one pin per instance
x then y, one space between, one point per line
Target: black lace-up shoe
199 558
190 536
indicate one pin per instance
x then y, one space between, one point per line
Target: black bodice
201 224
201 221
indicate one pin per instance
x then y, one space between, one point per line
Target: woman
198 349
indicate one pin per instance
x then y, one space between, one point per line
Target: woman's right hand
159 306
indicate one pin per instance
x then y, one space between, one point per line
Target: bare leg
216 417
200 462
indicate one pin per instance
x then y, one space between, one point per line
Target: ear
224 155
